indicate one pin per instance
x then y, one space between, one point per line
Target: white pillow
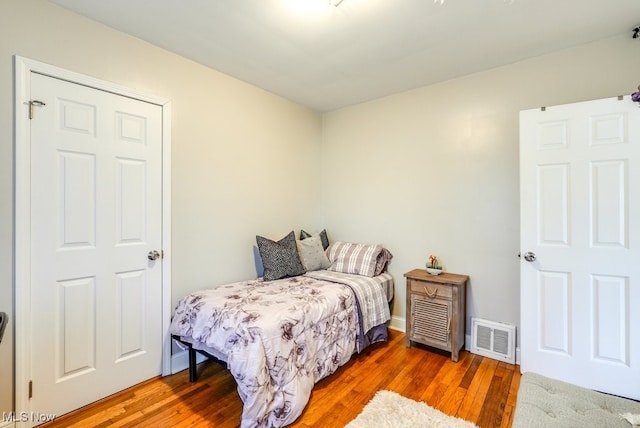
312 254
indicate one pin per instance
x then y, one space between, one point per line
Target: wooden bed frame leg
193 369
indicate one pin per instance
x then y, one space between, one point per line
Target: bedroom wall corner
435 170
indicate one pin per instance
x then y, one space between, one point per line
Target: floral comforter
278 338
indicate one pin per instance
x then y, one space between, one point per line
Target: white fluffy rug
392 410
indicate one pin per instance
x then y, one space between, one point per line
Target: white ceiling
327 57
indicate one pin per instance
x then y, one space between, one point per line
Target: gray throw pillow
312 254
280 259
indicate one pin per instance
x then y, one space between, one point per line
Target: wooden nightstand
436 309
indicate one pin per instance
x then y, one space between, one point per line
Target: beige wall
435 170
244 160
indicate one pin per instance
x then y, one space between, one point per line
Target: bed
278 337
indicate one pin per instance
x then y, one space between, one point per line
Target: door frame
23 67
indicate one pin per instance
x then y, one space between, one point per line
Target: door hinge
30 389
35 103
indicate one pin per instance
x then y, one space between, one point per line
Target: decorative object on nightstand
434 267
436 310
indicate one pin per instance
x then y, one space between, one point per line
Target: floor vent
493 339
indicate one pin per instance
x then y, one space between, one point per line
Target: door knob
153 255
529 256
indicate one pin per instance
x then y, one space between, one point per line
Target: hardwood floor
478 389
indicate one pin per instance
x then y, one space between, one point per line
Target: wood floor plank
507 417
449 375
475 388
470 374
491 414
478 389
452 399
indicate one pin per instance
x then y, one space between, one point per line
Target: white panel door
96 302
580 216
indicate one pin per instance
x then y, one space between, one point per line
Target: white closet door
96 212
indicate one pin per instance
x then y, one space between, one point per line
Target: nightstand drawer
431 290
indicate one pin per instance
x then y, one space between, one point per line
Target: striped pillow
382 261
358 259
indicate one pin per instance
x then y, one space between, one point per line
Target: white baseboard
7 424
180 361
398 324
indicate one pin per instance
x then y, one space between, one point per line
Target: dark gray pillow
322 235
280 259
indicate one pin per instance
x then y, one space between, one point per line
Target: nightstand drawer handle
431 294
